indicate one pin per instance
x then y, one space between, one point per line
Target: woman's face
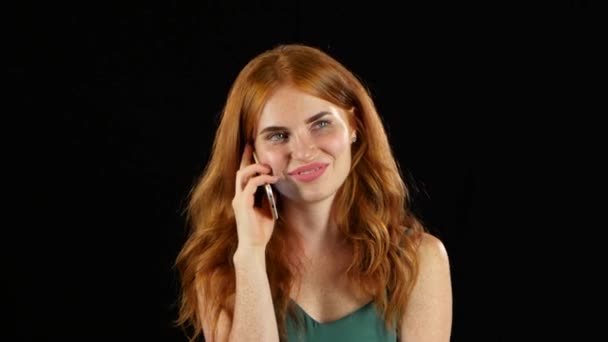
306 141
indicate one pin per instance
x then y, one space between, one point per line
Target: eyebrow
281 128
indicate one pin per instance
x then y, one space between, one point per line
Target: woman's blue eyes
277 136
321 123
280 136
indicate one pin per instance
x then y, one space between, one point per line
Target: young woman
346 260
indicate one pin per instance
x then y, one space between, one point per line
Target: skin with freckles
345 236
287 139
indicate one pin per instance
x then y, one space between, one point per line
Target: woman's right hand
254 225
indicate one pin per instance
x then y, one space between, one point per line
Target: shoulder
431 249
428 315
428 247
434 280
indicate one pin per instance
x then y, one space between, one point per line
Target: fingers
246 157
248 168
241 178
255 182
246 196
245 174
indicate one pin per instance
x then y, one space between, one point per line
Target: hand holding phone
269 194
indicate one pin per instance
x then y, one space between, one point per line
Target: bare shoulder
431 249
428 315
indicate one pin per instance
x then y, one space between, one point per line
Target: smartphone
269 194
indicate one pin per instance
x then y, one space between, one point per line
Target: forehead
288 105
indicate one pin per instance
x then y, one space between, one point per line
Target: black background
118 107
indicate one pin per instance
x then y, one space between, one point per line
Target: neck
312 225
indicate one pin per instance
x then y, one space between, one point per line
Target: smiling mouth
309 174
309 171
310 168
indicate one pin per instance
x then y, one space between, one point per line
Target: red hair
371 208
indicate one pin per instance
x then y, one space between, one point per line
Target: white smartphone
269 194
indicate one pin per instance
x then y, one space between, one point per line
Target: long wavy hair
371 208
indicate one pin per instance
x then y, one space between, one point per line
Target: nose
303 147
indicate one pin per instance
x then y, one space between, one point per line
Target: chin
307 196
315 198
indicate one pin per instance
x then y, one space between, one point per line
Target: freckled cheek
277 162
335 145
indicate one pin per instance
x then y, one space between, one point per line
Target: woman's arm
428 317
254 317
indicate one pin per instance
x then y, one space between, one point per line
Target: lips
307 169
308 173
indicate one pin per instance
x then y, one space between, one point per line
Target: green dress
363 325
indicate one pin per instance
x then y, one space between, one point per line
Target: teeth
308 171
